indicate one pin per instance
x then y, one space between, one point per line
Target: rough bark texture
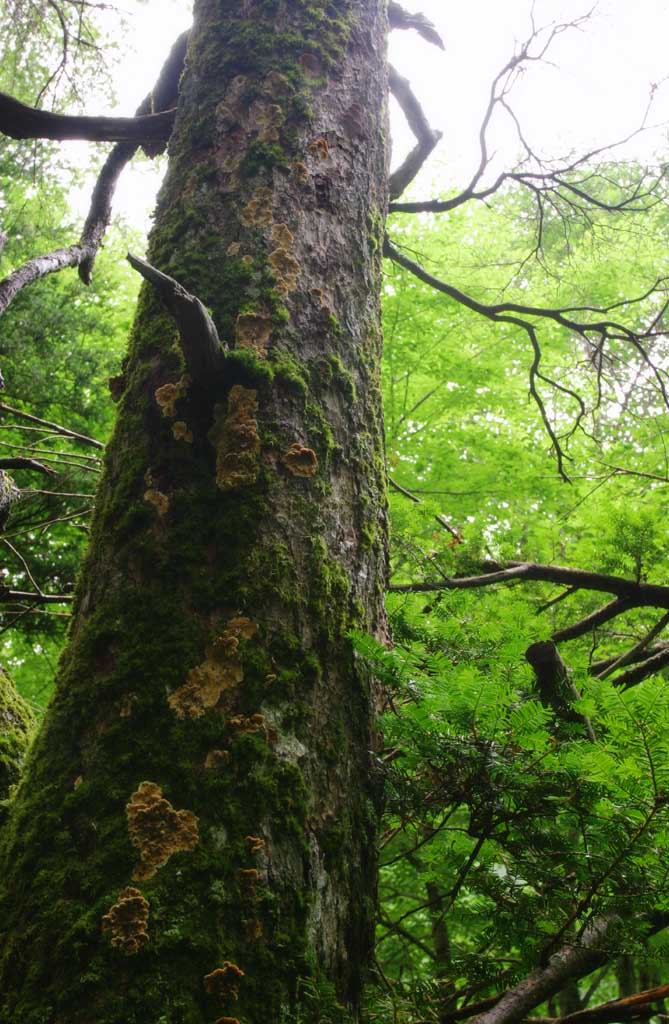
194 837
16 728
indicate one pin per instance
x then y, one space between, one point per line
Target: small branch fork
647 658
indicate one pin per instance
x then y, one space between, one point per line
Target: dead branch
637 1005
399 18
56 427
426 137
83 253
18 463
34 598
199 337
561 187
19 121
640 651
455 534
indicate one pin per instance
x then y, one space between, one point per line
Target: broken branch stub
199 338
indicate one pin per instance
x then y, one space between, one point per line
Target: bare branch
399 18
19 121
56 427
599 326
455 534
630 593
199 337
647 668
26 464
426 137
30 597
637 653
83 253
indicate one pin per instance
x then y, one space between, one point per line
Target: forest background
510 819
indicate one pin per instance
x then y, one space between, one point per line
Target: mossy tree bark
194 837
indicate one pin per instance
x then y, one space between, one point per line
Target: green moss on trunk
194 838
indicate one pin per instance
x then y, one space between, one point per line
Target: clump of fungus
216 758
255 844
168 395
160 501
243 724
220 671
253 330
300 461
301 172
236 440
319 148
157 829
127 922
286 268
224 982
282 235
182 432
234 249
258 211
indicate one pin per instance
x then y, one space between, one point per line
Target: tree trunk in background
194 836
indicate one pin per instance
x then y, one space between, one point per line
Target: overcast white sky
595 90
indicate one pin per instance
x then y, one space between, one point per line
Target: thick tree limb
556 689
637 1005
399 18
426 137
573 960
199 337
19 121
162 97
634 594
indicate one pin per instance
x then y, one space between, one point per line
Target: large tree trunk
194 836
